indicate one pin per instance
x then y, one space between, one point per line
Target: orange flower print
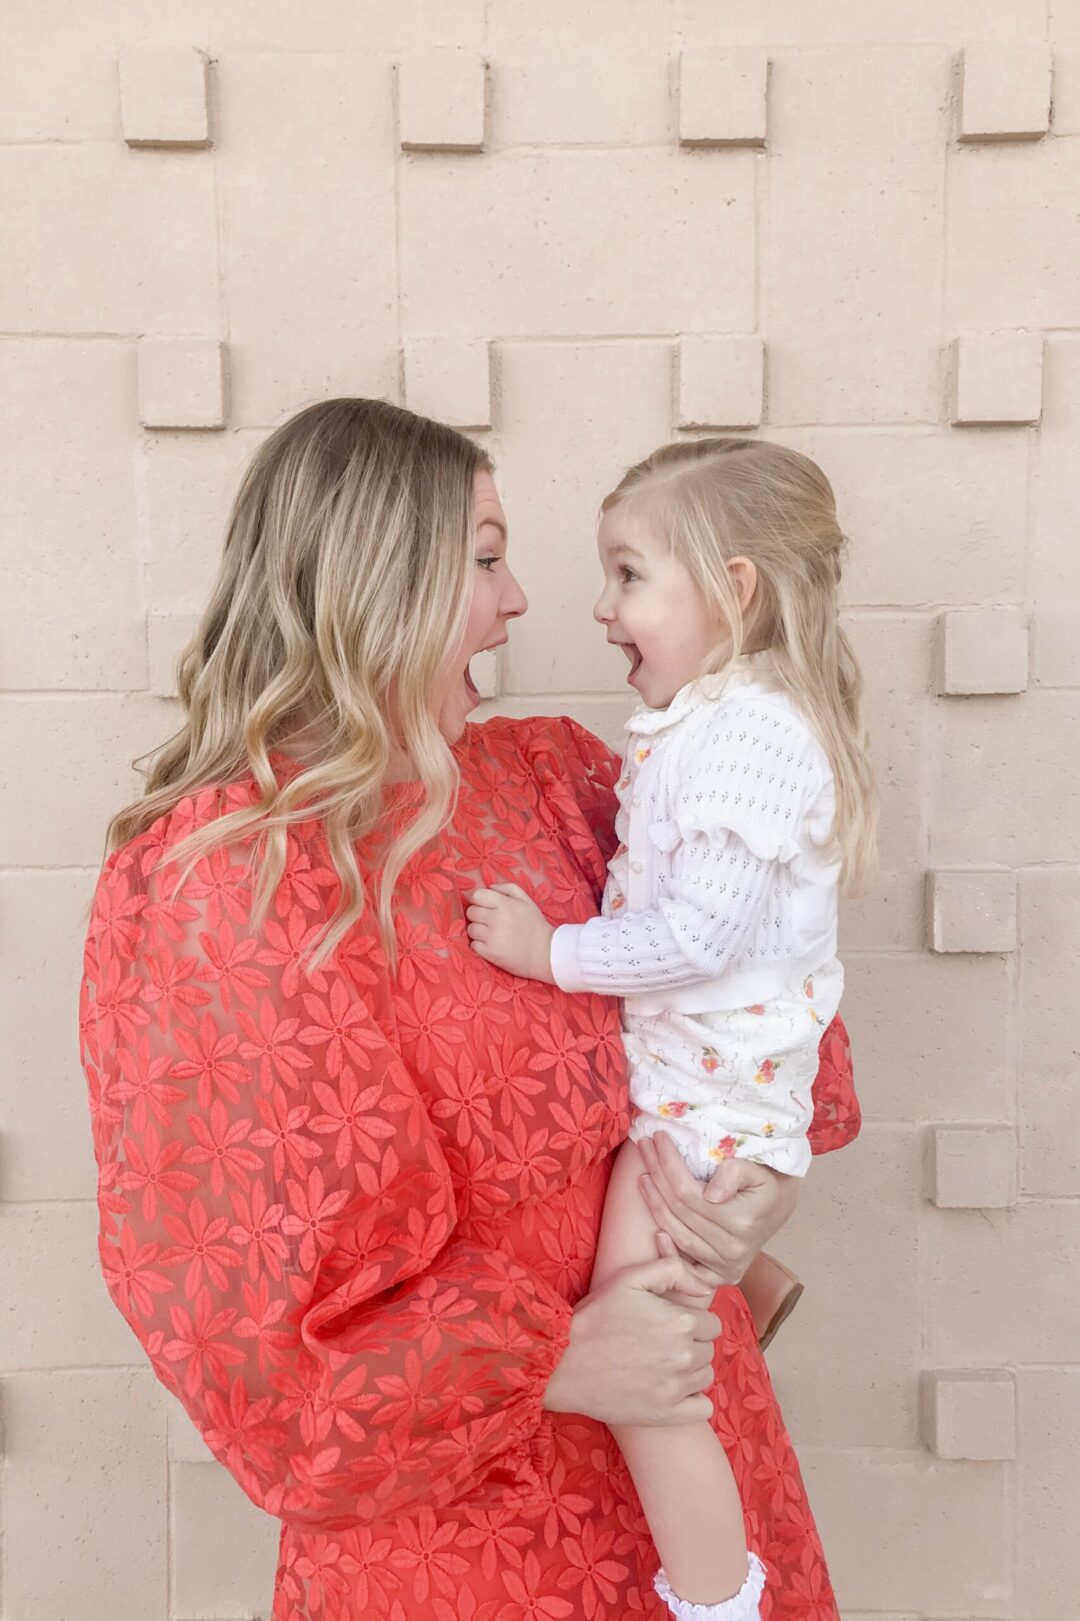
725 1148
767 1071
711 1061
641 755
769 1128
808 987
674 1111
756 1007
621 851
624 782
617 902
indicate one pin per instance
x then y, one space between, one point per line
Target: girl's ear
744 578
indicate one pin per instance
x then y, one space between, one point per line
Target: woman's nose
514 602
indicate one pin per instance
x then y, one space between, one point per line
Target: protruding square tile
449 379
972 1167
970 1413
163 96
181 383
441 101
721 382
1005 90
981 650
723 98
972 909
997 377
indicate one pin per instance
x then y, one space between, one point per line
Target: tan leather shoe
772 1292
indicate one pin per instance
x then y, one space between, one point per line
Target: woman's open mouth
471 688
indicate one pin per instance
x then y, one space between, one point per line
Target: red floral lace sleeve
837 1116
277 1222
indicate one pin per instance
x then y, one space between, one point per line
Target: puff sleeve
754 770
277 1221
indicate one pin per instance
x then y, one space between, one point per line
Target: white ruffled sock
743 1606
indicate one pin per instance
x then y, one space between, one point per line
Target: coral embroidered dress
347 1216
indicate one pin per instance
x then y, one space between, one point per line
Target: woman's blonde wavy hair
342 584
714 499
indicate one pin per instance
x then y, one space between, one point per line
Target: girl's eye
627 574
487 562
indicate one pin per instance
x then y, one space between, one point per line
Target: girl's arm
718 891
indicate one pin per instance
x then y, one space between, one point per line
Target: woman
350 1174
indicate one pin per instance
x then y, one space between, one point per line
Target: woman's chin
457 707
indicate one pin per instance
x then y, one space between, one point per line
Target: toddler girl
745 805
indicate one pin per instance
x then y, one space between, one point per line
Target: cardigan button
636 800
635 866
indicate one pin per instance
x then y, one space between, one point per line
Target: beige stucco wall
632 249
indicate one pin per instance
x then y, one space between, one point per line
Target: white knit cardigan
724 887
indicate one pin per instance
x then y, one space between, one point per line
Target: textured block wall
577 228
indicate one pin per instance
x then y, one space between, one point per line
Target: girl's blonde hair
342 585
718 498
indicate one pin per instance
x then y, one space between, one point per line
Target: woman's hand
634 1357
507 927
717 1227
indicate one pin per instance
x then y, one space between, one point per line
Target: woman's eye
487 562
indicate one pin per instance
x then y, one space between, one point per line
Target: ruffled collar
741 672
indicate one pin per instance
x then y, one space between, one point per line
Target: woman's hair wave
342 584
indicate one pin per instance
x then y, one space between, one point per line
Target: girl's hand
507 928
717 1227
634 1357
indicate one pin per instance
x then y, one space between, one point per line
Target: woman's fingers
635 1357
701 1255
678 1233
711 1218
694 1229
674 1177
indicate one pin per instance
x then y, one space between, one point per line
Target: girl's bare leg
681 1471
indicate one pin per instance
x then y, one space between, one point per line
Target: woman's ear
744 578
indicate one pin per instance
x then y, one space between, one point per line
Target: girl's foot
743 1606
772 1292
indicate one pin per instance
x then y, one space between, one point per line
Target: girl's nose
602 611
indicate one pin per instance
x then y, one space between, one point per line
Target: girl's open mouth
635 662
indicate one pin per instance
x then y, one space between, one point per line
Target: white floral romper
718 923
